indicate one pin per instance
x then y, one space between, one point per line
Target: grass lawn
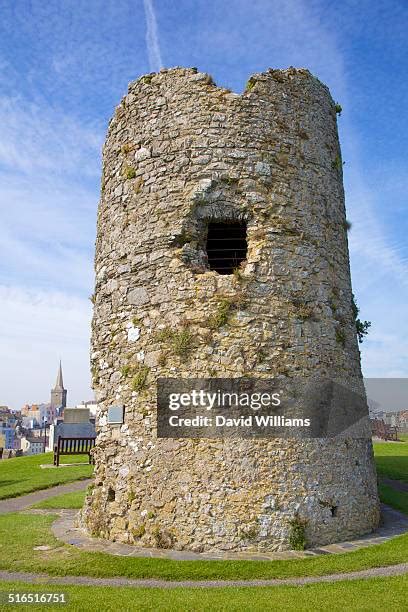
392 459
358 595
396 499
24 474
66 500
20 533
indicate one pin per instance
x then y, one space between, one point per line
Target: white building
32 446
92 407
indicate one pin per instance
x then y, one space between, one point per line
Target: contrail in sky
152 37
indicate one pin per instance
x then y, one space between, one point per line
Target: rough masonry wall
180 152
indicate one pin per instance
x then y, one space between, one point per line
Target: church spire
60 383
58 393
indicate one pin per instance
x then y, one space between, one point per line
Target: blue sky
65 64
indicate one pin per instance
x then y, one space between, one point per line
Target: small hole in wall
226 245
111 495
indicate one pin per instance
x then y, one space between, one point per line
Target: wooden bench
73 446
384 431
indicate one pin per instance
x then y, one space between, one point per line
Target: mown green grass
70 501
394 498
20 533
23 474
375 594
392 459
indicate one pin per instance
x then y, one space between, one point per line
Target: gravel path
376 572
20 503
15 504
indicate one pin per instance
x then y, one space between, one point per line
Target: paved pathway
394 523
15 504
375 572
398 485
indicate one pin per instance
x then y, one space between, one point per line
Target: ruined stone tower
188 166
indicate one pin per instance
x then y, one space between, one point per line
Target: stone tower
187 164
59 393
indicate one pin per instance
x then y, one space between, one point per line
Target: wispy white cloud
152 37
38 328
378 258
381 362
49 176
42 139
50 163
379 265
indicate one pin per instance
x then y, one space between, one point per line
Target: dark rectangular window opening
226 245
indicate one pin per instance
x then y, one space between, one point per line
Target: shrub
139 380
237 272
138 532
250 84
262 355
303 310
163 539
129 172
362 327
341 336
162 360
126 369
297 538
221 315
180 341
97 524
337 163
164 334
